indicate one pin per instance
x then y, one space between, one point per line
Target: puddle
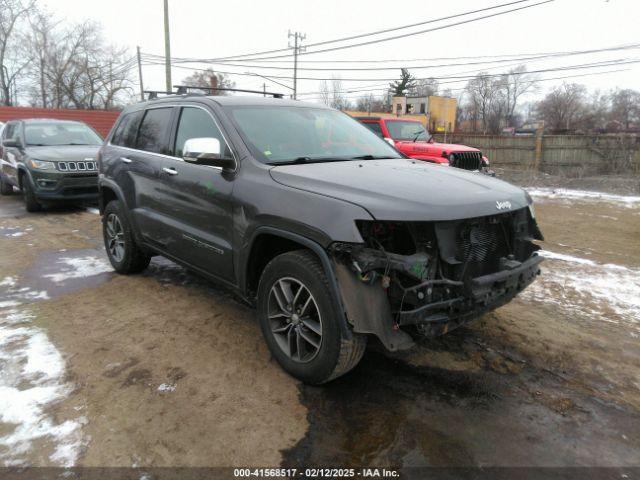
388 413
66 271
13 232
31 382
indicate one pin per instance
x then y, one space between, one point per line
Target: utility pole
297 48
167 46
140 74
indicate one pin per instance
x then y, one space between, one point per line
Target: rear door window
154 130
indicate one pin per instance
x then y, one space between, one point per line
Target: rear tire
306 342
124 253
30 200
5 187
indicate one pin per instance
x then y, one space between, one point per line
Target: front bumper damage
454 273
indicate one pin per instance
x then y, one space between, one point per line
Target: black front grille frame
466 160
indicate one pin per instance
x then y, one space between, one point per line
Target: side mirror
206 151
12 143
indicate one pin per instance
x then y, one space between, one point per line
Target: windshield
288 134
400 130
58 133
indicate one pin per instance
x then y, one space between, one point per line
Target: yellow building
439 113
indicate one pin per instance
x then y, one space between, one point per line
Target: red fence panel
100 120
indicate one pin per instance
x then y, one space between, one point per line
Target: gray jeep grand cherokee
50 161
330 232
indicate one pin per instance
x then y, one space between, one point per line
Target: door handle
126 160
170 171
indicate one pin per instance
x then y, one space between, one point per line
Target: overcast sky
213 29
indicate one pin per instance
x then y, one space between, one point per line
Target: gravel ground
165 369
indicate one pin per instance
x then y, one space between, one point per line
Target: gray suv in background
49 161
332 234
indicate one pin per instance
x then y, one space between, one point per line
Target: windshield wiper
370 157
416 137
299 160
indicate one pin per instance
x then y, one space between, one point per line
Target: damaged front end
425 278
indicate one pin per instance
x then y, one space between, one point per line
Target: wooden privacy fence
568 155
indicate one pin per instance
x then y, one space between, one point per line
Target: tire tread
351 350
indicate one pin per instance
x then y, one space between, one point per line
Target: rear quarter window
154 130
127 129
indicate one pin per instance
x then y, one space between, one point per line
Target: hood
64 153
405 189
432 148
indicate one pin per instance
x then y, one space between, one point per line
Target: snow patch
8 282
606 292
166 387
567 194
80 267
31 381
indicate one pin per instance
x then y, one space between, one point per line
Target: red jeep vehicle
411 138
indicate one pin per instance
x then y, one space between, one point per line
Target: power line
463 88
326 42
623 61
419 32
525 59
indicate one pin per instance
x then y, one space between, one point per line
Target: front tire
30 200
124 253
300 322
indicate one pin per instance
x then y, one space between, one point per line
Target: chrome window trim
215 122
178 159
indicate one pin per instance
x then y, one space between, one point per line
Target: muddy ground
165 369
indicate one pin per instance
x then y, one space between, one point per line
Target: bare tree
12 60
425 87
73 67
625 107
209 78
325 93
370 103
562 107
514 85
338 98
483 93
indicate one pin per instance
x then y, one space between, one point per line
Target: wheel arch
108 191
269 242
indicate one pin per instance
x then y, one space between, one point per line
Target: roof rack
153 94
183 89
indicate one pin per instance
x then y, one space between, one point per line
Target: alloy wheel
115 237
295 319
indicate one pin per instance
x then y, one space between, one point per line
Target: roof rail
182 89
153 94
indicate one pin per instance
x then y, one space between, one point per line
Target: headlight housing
42 164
